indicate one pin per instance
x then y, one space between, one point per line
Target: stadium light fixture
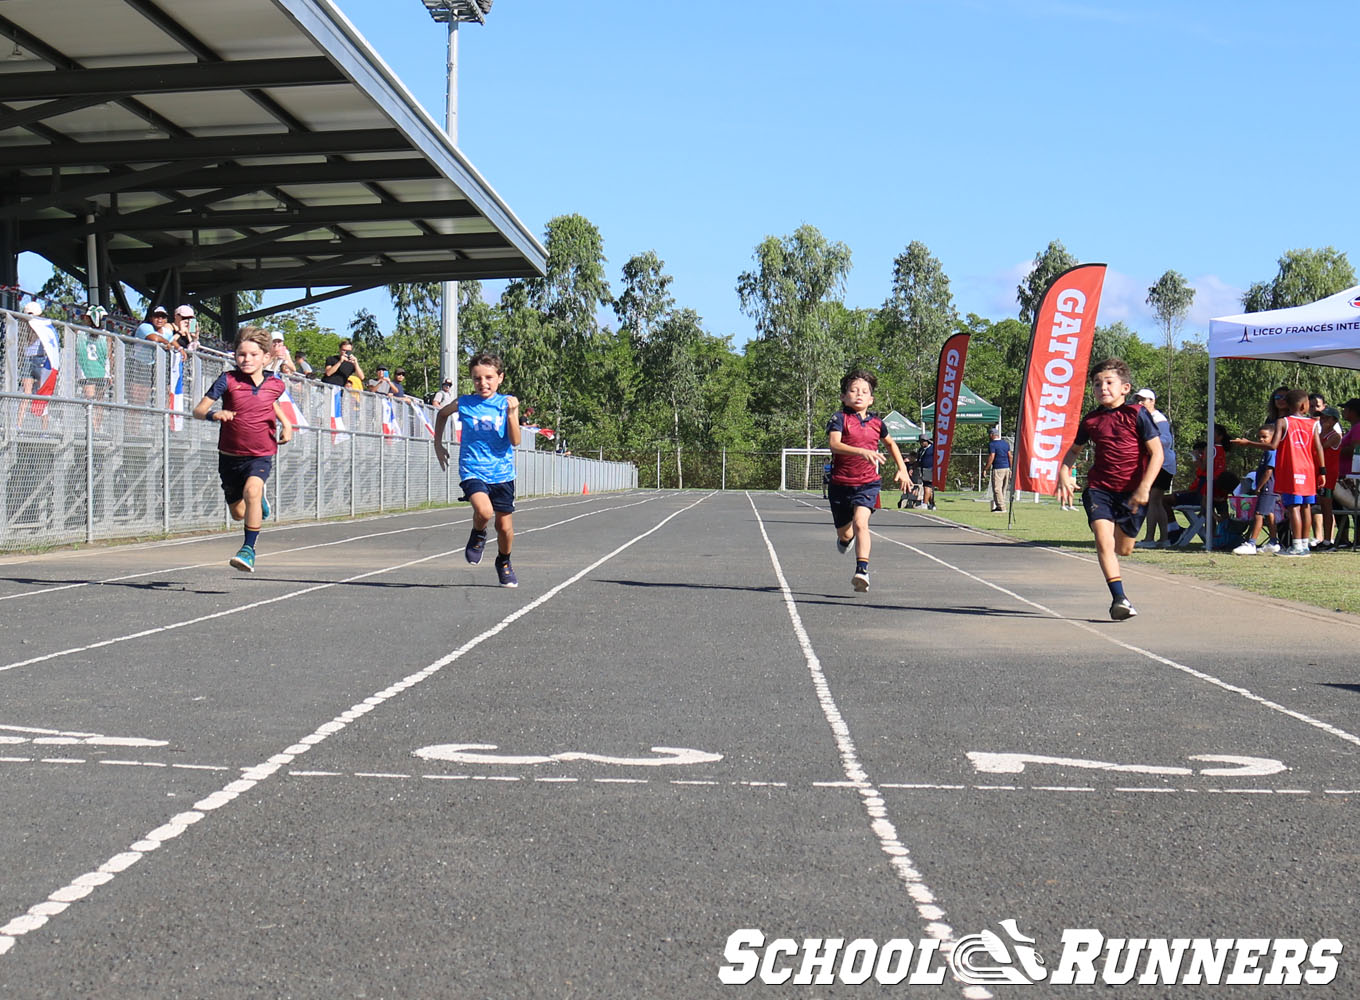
458 11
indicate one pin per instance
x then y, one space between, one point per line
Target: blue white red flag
51 346
175 398
292 411
425 419
338 415
390 425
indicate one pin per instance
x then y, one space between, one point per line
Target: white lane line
43 591
927 905
40 913
1325 727
144 633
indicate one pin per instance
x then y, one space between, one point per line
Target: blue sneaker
506 574
476 545
244 560
264 507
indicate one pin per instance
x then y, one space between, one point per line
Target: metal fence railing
104 450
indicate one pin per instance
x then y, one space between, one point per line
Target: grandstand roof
215 147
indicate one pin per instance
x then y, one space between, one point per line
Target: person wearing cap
301 363
383 384
445 395
92 358
185 330
399 383
1154 536
35 357
280 362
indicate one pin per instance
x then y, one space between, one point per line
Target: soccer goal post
801 468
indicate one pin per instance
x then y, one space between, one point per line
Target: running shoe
476 544
1146 544
244 560
1122 609
1272 547
264 507
860 581
844 547
1246 549
1299 548
506 574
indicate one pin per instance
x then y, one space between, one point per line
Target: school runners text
1086 957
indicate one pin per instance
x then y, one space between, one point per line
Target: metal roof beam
38 194
375 140
154 258
168 78
386 273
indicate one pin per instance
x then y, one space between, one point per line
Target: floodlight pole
451 12
448 310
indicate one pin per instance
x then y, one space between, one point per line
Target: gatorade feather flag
338 415
947 379
175 398
51 346
1055 376
390 426
292 411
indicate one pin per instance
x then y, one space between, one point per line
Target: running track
683 723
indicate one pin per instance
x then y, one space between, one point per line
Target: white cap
276 336
184 312
1145 394
32 308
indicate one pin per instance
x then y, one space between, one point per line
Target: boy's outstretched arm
285 425
1067 483
442 418
512 419
1153 447
833 441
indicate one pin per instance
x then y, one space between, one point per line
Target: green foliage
1047 266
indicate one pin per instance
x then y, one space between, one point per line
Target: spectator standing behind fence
280 363
185 335
445 395
249 420
1157 516
302 365
999 462
339 367
92 358
486 460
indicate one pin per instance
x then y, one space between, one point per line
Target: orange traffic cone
585 489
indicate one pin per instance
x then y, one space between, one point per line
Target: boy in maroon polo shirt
249 419
1128 457
853 435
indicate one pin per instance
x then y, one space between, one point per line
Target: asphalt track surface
212 784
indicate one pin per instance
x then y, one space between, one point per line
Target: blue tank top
485 451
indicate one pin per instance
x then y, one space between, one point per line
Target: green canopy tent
902 430
971 409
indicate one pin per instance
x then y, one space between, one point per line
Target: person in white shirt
1156 510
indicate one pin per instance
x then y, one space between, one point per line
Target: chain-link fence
94 444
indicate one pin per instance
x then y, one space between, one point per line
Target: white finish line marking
40 913
1014 763
872 798
457 753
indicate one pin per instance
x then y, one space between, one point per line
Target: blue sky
1208 138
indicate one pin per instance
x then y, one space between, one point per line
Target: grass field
1325 579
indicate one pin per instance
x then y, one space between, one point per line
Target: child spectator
248 421
1128 456
1324 520
486 460
853 436
1266 500
1298 462
925 463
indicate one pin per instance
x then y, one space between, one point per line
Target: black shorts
1162 482
501 495
845 497
234 470
1106 505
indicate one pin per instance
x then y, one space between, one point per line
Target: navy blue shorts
1106 505
1267 504
845 498
502 495
236 469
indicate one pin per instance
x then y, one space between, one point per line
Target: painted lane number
1240 767
467 753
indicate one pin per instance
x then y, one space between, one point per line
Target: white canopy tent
1325 332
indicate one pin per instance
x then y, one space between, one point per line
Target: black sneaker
1122 609
475 546
506 574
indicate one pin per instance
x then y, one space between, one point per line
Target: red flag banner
1055 376
947 380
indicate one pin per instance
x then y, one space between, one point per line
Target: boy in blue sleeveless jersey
486 460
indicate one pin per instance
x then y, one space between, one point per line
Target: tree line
626 371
